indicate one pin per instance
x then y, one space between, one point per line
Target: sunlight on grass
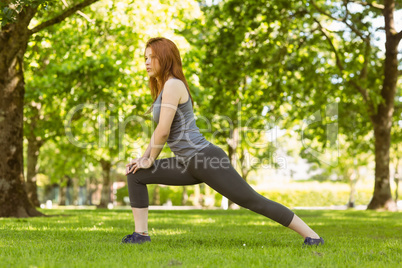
96 228
169 232
209 220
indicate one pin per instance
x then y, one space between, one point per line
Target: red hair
170 64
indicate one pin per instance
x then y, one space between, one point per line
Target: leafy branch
373 4
365 39
340 66
328 38
62 16
343 20
10 9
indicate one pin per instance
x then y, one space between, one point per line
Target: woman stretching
196 159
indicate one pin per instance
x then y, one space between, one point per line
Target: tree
378 96
14 36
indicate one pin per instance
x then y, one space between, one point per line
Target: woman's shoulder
175 87
174 83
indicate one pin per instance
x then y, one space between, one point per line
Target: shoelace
127 238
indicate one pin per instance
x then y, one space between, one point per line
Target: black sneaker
135 238
313 241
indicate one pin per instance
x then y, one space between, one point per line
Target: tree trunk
105 193
245 167
382 120
209 199
396 175
63 191
382 197
69 190
184 196
156 199
396 179
14 38
62 196
353 178
233 142
92 187
32 159
34 145
197 195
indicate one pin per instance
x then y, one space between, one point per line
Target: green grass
91 238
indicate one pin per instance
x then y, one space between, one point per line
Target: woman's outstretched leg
299 226
212 166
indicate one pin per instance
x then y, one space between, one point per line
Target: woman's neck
159 80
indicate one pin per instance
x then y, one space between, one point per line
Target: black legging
212 166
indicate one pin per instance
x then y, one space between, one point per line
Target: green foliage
60 158
9 9
85 238
174 194
93 63
121 193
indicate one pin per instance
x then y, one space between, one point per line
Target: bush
309 195
173 194
121 193
317 198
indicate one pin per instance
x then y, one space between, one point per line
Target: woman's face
151 63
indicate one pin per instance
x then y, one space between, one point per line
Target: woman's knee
244 201
135 177
254 202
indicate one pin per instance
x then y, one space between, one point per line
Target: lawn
200 238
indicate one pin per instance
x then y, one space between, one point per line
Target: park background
303 96
286 89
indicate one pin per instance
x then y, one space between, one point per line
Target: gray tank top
185 139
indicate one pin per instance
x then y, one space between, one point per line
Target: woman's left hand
141 163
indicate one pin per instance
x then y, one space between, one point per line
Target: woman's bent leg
164 171
167 171
140 220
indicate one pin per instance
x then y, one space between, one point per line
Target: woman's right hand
132 162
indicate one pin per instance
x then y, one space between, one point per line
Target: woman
197 160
